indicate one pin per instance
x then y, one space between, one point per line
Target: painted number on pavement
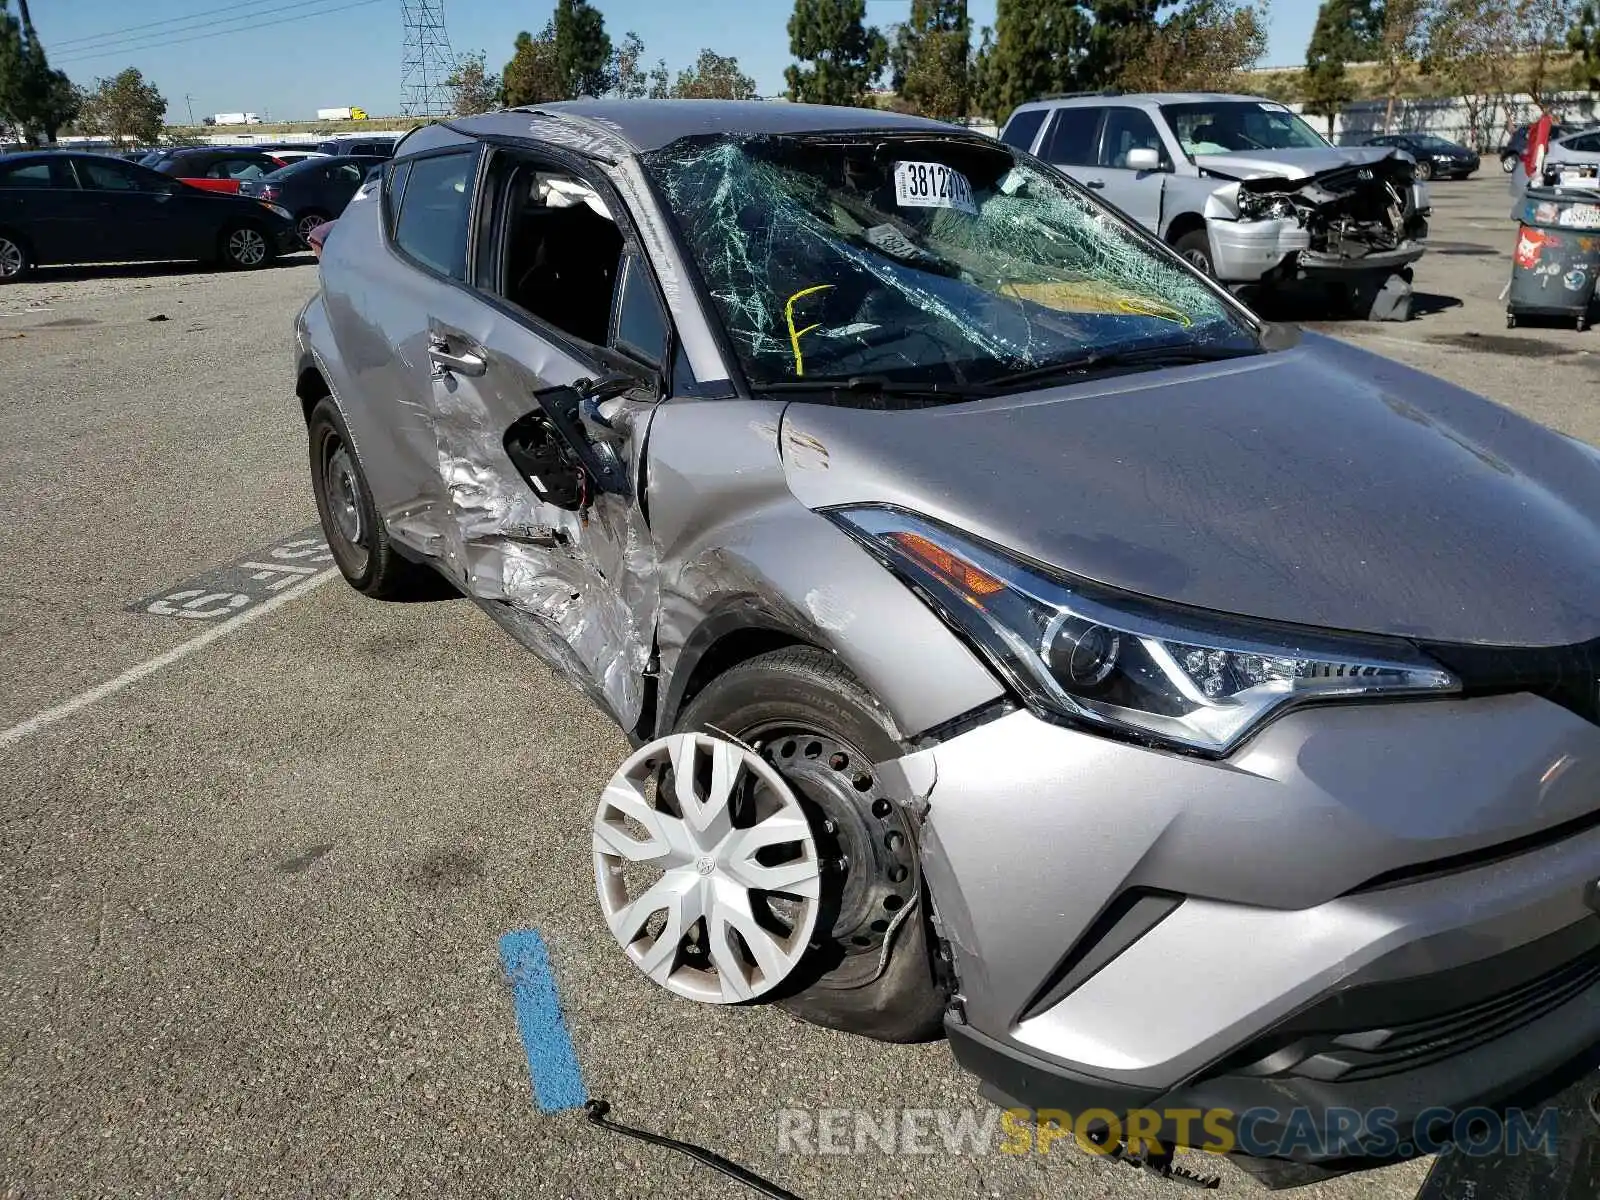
232 589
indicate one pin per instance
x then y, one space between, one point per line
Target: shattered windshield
1231 126
937 261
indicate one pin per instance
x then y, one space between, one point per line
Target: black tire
308 220
1508 163
16 258
1195 247
1424 170
244 246
784 703
355 532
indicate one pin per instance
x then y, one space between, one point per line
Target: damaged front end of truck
1356 227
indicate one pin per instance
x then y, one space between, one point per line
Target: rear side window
394 189
28 175
1071 139
1023 126
432 227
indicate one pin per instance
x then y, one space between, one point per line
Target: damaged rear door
538 422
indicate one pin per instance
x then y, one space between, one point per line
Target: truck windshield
921 260
1234 126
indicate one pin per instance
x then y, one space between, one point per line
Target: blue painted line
552 1064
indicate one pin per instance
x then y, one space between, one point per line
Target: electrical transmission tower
426 61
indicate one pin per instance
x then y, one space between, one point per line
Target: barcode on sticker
931 185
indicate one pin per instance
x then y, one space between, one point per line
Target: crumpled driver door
544 527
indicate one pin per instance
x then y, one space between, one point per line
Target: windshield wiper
877 385
1099 360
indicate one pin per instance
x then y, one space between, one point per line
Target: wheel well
724 654
1184 223
311 387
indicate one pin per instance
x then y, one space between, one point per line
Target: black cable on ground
597 1111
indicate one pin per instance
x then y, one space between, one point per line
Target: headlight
1076 651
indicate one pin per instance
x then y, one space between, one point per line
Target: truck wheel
1195 247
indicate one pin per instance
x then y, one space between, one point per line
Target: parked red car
216 168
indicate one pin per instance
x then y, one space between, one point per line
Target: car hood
1289 164
1319 485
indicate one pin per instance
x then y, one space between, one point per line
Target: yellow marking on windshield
796 334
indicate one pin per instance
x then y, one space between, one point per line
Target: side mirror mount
1144 159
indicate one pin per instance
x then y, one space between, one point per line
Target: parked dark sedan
216 168
315 190
58 207
1437 157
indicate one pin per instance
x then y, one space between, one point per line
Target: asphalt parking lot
257 858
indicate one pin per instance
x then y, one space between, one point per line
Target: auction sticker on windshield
931 185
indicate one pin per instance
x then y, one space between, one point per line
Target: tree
35 100
1204 47
1401 41
583 51
1470 50
838 56
472 89
1333 43
629 79
533 75
1038 47
123 108
1584 40
1119 36
932 59
714 77
1541 30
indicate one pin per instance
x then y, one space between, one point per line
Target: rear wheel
245 247
1424 170
1508 163
14 259
1195 247
870 966
356 534
307 221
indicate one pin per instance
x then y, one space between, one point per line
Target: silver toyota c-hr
1019 639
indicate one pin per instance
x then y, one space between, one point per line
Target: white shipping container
333 114
239 118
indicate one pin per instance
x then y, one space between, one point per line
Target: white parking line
145 669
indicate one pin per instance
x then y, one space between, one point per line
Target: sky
284 59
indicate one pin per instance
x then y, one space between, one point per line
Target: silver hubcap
307 224
1198 260
10 258
706 867
247 247
344 496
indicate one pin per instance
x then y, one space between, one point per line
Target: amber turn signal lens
965 577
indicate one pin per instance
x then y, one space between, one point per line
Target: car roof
639 126
1138 99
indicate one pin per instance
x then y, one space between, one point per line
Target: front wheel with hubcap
244 248
13 259
1424 170
868 963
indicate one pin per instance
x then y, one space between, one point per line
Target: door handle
445 363
1094 183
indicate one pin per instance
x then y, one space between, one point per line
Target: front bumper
1245 251
1133 928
